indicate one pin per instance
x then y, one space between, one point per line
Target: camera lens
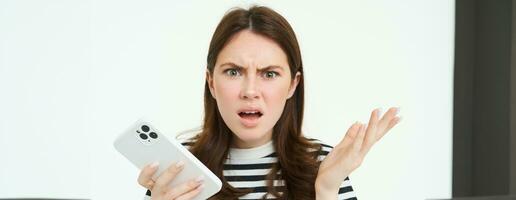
143 136
153 135
145 128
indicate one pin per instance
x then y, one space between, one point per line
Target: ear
293 84
209 80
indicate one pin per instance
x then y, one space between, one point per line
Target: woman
251 135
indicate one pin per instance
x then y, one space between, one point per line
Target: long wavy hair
298 164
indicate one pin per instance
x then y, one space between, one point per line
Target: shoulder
188 143
188 138
322 149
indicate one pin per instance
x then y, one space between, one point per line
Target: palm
350 152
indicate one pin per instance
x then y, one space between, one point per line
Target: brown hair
211 146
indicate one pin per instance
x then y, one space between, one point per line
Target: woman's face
251 82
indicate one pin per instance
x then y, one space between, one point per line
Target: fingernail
398 110
379 111
199 178
180 164
154 165
201 186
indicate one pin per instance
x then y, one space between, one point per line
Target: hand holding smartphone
143 144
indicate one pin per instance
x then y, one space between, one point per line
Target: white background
74 74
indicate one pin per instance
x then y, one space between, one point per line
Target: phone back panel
153 146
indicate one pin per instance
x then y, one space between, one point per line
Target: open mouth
250 117
250 114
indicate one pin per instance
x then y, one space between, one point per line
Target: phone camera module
153 135
145 128
143 136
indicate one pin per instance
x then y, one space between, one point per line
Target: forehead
247 48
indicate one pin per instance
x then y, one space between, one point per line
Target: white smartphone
143 144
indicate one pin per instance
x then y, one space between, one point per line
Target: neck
242 144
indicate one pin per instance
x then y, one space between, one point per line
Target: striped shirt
248 168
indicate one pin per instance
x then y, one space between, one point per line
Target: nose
249 89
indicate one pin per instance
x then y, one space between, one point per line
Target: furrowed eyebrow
232 65
270 67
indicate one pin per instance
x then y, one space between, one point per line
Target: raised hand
350 152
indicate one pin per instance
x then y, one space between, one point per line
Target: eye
232 72
271 74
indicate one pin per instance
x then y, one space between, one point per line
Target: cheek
226 92
277 89
276 95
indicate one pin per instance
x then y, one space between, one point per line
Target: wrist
325 193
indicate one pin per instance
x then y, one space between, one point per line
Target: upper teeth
250 112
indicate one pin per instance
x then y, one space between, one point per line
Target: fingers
359 140
168 175
371 132
145 177
191 194
392 123
186 190
378 126
351 134
385 120
388 121
363 137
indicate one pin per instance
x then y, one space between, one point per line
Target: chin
250 135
